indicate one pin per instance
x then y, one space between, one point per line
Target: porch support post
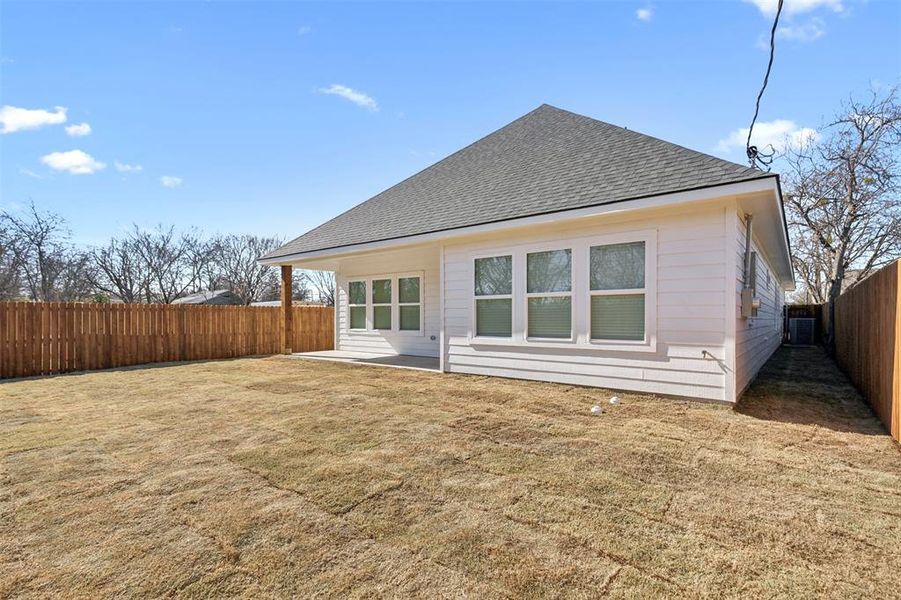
287 313
442 336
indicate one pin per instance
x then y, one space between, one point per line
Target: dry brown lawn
281 477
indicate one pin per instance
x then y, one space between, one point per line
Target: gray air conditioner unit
802 331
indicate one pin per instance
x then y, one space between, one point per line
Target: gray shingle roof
546 161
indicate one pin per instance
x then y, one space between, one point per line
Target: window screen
617 285
549 294
356 296
619 317
493 287
381 304
617 266
494 276
410 306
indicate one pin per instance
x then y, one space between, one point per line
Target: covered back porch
387 309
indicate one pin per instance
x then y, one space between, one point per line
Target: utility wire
758 159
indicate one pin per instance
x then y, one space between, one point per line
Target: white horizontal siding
425 260
756 338
691 310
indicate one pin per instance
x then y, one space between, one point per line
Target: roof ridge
547 160
647 136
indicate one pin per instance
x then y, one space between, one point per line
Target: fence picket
57 337
868 342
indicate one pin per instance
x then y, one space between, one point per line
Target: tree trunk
835 289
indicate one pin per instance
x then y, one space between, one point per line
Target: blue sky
269 118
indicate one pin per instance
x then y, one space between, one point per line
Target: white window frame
396 284
581 293
569 294
391 310
617 292
649 343
472 282
370 330
365 304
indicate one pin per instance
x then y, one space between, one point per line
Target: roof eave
763 182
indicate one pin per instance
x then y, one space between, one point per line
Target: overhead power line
758 159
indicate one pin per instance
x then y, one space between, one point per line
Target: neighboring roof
546 161
293 302
210 297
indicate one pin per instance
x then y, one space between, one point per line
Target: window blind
550 317
619 317
548 289
494 318
617 284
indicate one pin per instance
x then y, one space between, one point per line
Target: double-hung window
494 296
387 303
549 294
617 290
381 304
595 293
356 300
409 303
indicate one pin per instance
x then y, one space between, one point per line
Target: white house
565 249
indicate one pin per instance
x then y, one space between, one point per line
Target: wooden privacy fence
43 338
868 342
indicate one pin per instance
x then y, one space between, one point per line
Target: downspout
749 231
749 304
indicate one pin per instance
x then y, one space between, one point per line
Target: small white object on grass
596 410
614 400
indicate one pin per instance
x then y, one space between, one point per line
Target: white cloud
357 97
75 162
805 32
304 29
171 182
794 7
29 173
125 168
644 14
778 134
78 130
13 118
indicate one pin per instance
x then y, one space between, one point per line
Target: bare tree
300 289
143 266
200 254
842 200
173 263
323 283
75 281
49 267
10 279
235 266
119 271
